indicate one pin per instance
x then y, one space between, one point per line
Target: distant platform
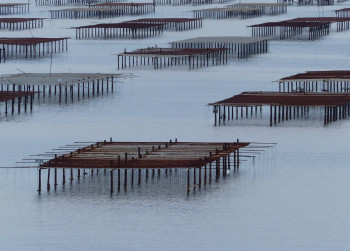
239 46
283 105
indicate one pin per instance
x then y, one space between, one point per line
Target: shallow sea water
291 197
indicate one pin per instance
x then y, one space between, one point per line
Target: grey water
294 196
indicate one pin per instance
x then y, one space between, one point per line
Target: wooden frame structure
119 30
345 12
283 106
316 81
31 47
64 86
13 24
290 29
240 47
206 159
166 57
178 24
25 97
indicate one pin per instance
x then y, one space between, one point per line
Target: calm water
292 197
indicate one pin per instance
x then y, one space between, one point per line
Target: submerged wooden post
118 179
188 181
48 179
200 177
71 175
64 176
55 184
39 187
194 179
112 181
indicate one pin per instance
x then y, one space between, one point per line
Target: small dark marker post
55 184
64 176
118 172
125 171
71 175
194 179
112 180
48 179
188 181
39 187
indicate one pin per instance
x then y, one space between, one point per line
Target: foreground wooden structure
283 106
31 47
178 24
167 57
118 30
64 86
140 161
14 24
240 47
316 81
14 8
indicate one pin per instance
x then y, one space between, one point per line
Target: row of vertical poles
334 113
107 33
284 113
286 32
2 55
176 25
67 92
342 13
319 31
226 13
279 113
203 2
24 102
21 25
240 50
307 2
223 113
35 49
314 86
93 13
122 177
343 25
129 9
220 167
100 12
15 8
263 31
266 10
193 61
71 2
